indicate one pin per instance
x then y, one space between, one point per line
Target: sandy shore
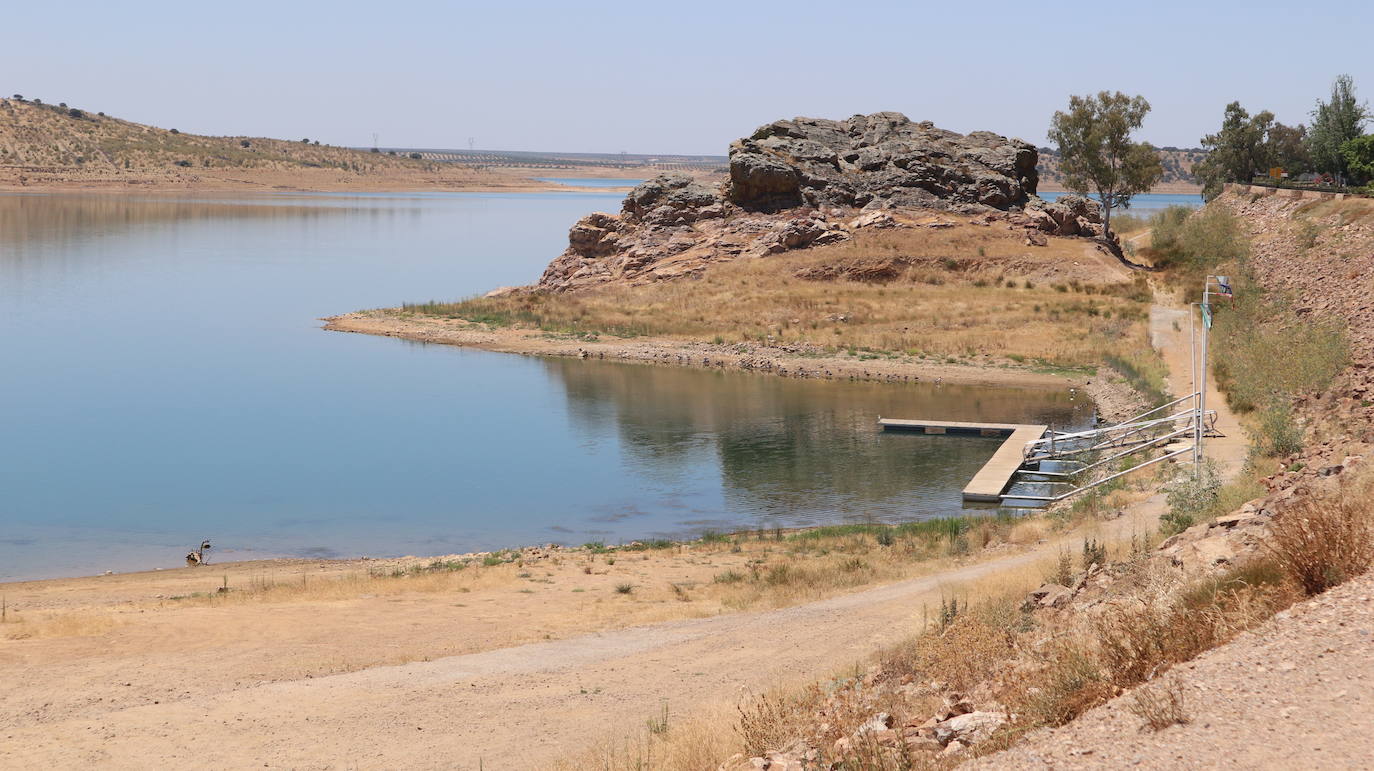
1114 399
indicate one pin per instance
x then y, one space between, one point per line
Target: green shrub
1278 433
1263 352
1196 243
1191 499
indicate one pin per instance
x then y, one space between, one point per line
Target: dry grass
1322 543
943 302
48 625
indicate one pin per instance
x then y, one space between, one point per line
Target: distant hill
1178 165
41 135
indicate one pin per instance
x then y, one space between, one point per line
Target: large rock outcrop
882 159
807 182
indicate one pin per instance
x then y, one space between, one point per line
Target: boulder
1048 596
669 199
970 728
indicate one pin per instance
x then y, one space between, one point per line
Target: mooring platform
995 475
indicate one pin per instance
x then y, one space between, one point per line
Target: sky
656 77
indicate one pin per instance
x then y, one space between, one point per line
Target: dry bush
971 648
1068 683
1324 543
1160 706
770 720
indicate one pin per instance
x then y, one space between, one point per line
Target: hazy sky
685 77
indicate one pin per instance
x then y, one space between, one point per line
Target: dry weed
1327 542
1160 706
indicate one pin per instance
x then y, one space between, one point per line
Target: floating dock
995 475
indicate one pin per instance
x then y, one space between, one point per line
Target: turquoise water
591 181
165 380
1148 203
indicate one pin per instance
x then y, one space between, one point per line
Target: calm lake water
163 379
1148 203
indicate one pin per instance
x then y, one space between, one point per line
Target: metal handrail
1077 490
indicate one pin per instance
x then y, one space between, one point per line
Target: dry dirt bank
211 676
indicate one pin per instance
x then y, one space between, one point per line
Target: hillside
55 146
1178 169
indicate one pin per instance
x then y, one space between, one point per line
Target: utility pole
471 144
375 137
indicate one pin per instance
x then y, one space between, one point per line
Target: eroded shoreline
1114 400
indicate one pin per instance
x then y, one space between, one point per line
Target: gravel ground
1296 692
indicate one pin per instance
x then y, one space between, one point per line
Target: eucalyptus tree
1097 154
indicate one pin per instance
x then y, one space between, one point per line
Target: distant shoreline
1170 188
455 179
16 179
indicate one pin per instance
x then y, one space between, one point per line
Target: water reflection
794 452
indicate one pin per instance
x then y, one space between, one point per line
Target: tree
1359 158
1235 152
1333 124
1096 151
1247 145
1288 148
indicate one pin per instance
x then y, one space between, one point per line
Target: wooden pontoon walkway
995 475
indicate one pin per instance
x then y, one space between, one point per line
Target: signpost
1222 286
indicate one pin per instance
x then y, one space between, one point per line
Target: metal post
1197 407
1202 376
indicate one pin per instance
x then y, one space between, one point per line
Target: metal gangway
1081 457
1080 453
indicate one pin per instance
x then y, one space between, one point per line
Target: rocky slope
809 182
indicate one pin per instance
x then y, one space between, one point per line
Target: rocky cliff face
808 182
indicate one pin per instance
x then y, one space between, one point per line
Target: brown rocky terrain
813 182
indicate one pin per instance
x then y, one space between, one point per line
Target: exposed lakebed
165 380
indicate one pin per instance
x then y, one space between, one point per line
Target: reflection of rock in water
796 451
